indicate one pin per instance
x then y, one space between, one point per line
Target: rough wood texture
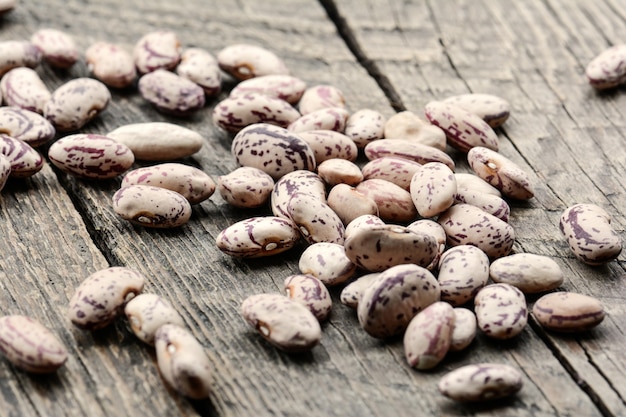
385 55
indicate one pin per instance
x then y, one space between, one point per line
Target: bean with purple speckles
153 207
432 189
394 298
101 297
327 262
394 203
320 97
244 61
492 109
111 64
489 203
310 292
157 50
607 69
200 66
147 312
58 48
24 159
281 86
409 126
316 221
434 229
15 54
245 187
299 181
283 322
349 203
182 361
328 144
589 234
235 113
329 118
481 382
474 183
171 93
351 293
407 149
428 336
399 171
22 87
192 183
568 312
464 330
258 236
76 102
29 345
529 272
365 126
339 171
364 221
501 311
463 271
26 125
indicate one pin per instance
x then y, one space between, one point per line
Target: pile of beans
413 243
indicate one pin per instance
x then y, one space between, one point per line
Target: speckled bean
339 171
399 171
568 312
316 221
235 113
283 87
327 262
31 346
464 330
365 126
22 87
329 118
481 382
18 53
320 97
501 311
351 293
409 126
244 61
349 203
394 203
377 248
153 207
182 361
473 183
76 102
101 297
258 236
529 272
157 50
158 141
434 229
147 312
26 125
501 172
171 93
394 298
24 159
428 336
5 170
299 181
407 149
492 109
432 189
607 69
464 130
272 149
589 234
328 144
200 66
87 155
364 221
58 48
245 187
468 225
192 183
283 322
310 292
111 64
489 203
463 271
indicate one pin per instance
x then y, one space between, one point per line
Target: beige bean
57 47
501 311
399 171
76 103
316 221
339 171
146 313
529 272
171 93
328 144
244 61
481 382
111 64
22 87
327 262
26 125
246 187
201 67
351 293
428 336
310 292
394 203
349 203
153 207
24 159
463 271
568 312
298 181
492 109
464 330
320 97
258 236
432 189
330 118
157 50
408 125
407 149
281 86
365 126
18 53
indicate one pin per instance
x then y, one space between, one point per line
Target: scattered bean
328 144
153 207
399 171
111 64
464 330
146 313
245 187
492 109
26 125
329 118
481 382
365 126
25 160
201 67
15 54
280 86
407 125
258 236
171 93
310 292
429 335
351 293
475 184
244 61
364 221
568 312
394 203
407 149
316 221
157 50
22 87
607 69
432 189
236 113
434 229
349 203
298 181
463 271
529 272
336 171
327 262
489 203
58 48
501 311
321 97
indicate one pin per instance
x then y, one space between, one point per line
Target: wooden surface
387 55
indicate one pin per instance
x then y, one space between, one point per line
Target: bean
348 203
258 236
22 87
463 271
58 48
182 361
529 272
364 221
245 187
29 345
489 203
394 298
158 141
24 159
76 103
432 189
399 171
101 297
283 322
394 203
589 234
568 312
15 54
298 181
501 311
464 330
336 171
492 109
280 86
111 64
171 93
481 382
407 125
91 156
310 292
146 313
607 70
153 207
352 293
329 118
272 149
320 97
327 262
201 67
235 113
434 229
328 144
192 183
26 125
407 149
365 126
475 184
429 335
157 50
244 61
316 221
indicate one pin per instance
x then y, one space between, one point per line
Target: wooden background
389 55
